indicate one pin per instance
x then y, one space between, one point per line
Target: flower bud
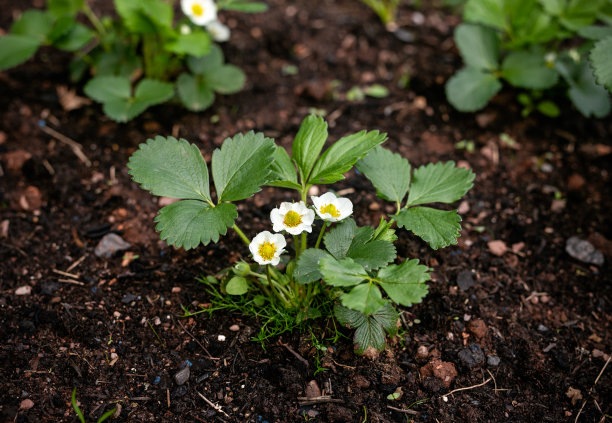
242 269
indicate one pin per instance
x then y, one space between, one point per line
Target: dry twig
402 410
77 148
213 405
210 357
592 387
468 387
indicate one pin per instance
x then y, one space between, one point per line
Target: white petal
344 206
277 220
308 217
219 32
327 198
275 260
278 240
284 208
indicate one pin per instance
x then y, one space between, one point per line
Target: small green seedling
385 9
353 267
141 57
80 415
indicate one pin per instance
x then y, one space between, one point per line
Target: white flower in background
267 247
218 31
185 29
294 218
332 208
200 12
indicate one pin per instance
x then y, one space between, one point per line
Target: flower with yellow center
200 12
332 208
294 218
267 247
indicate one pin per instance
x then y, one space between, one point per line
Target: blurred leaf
227 79
59 8
487 12
478 45
16 49
470 89
35 24
528 70
194 92
196 43
601 61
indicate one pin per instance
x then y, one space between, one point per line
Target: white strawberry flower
294 218
218 31
200 12
267 247
332 208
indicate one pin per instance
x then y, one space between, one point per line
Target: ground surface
535 321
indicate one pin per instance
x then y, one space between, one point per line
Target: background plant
535 45
350 266
80 415
135 61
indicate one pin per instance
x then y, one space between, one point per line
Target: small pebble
26 404
182 376
221 338
234 328
584 251
493 361
110 244
472 356
542 328
465 280
23 290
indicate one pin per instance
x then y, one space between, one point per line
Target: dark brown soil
532 322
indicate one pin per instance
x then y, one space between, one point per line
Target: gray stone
182 375
493 361
110 244
465 280
128 298
584 251
472 356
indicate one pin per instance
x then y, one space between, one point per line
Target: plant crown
138 59
524 42
351 265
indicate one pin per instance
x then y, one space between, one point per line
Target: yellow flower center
267 250
330 209
292 219
197 9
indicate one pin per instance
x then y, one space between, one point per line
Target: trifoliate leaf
365 298
307 268
439 183
242 165
478 45
370 329
237 286
194 92
601 62
348 317
171 168
470 89
16 49
404 283
526 69
188 223
308 143
343 272
342 156
439 228
284 174
389 173
387 317
488 12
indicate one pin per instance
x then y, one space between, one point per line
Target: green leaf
528 70
405 283
387 317
342 156
196 43
389 173
601 62
439 228
152 91
384 231
470 89
373 254
348 317
16 49
227 79
242 165
307 268
35 24
170 168
343 272
478 45
369 328
107 415
308 143
339 238
580 13
212 60
75 406
588 97
376 91
237 286
59 8
245 7
554 7
548 108
365 298
487 12
439 183
283 170
595 32
194 92
145 16
188 223
108 88
75 38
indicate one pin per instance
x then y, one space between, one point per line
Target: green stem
242 235
296 246
93 19
276 289
321 234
